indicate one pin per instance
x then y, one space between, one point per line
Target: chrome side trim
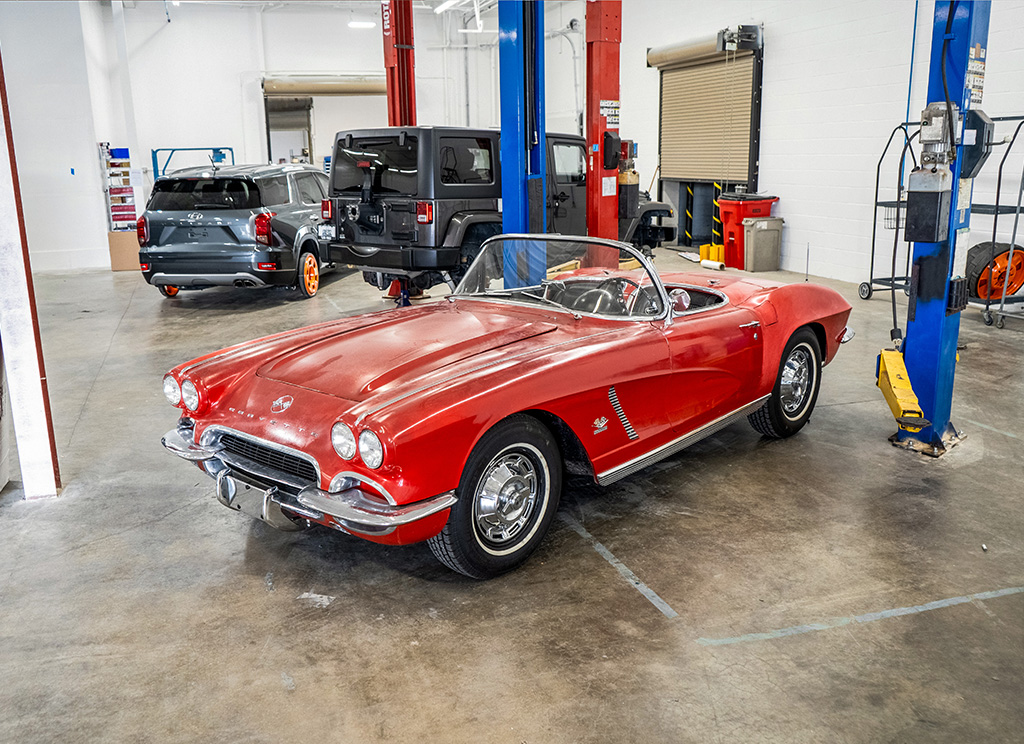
614 398
666 450
210 439
355 507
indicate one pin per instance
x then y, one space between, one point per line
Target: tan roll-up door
706 111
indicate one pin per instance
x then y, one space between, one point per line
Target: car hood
355 364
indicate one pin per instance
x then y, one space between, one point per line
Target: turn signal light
142 231
424 212
327 209
262 227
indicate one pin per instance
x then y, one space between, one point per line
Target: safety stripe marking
619 566
614 398
870 617
992 429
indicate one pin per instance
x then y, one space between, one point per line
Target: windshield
580 276
186 194
392 166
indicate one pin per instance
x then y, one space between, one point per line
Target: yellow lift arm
894 382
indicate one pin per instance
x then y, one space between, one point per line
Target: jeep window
392 166
186 194
466 160
570 164
309 191
275 190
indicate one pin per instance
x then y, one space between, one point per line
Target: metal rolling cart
892 219
1014 266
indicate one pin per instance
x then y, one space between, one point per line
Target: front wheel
795 391
309 274
507 497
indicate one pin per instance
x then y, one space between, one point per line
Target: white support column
19 329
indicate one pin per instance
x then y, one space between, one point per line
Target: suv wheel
168 290
309 274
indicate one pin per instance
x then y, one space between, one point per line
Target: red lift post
604 32
399 61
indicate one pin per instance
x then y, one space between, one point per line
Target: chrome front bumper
350 508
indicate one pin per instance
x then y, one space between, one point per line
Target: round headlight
370 449
344 441
171 390
189 395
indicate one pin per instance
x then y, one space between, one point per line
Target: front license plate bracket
255 502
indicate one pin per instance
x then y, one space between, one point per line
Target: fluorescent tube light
362 24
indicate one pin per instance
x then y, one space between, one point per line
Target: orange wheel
169 290
987 281
309 274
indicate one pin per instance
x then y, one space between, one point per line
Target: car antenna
213 163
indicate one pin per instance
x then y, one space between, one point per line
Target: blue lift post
523 144
930 348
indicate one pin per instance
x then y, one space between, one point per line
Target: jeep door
567 186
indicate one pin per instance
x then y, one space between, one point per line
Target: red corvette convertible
455 422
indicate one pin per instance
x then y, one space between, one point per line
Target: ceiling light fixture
362 24
446 5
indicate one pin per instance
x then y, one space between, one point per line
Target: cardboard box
124 250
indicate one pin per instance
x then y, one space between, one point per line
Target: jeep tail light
144 266
424 212
262 227
142 230
327 209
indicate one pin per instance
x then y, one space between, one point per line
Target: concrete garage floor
134 608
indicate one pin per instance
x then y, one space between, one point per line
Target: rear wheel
309 274
507 497
987 282
168 290
795 391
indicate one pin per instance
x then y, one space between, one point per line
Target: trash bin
734 208
762 240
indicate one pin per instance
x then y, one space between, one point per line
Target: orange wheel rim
171 291
311 274
1000 274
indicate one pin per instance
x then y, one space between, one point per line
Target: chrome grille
269 457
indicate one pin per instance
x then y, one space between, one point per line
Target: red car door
716 357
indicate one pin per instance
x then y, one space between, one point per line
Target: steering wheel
598 293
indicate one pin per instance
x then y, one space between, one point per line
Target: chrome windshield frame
645 262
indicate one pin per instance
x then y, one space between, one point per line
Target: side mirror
680 300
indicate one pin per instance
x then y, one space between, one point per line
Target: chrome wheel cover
796 381
507 496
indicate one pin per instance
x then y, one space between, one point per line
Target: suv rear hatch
202 215
368 172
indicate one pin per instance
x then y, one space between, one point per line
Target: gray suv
416 203
239 225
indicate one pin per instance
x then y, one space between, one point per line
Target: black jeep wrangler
417 202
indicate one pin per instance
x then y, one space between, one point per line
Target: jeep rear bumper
395 258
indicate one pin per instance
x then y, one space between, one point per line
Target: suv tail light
142 230
327 209
424 212
261 227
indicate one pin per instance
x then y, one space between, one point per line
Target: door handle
751 324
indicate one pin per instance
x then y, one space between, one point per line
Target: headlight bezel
176 399
339 430
185 395
372 451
